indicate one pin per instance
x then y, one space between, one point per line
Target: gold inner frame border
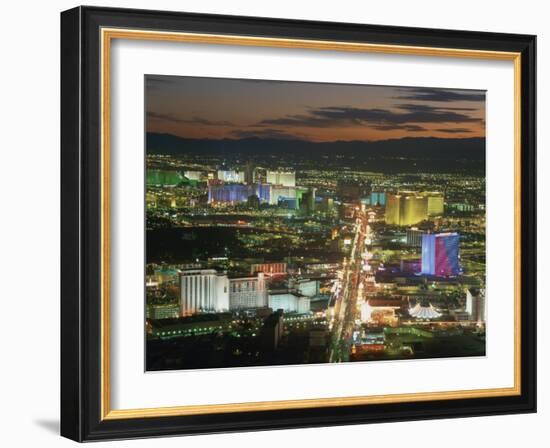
107 36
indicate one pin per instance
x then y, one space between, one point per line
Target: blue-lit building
234 193
230 193
440 254
264 192
289 203
378 198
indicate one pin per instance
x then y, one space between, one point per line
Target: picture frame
87 34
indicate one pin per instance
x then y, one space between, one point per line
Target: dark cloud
454 130
417 113
194 120
264 133
205 122
401 127
163 117
297 121
440 95
429 108
338 116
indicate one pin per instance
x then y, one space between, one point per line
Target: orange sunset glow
212 108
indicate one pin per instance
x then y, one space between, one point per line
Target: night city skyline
306 223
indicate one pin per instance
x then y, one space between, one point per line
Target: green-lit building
167 178
188 326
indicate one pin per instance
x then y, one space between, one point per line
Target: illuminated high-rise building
406 208
281 192
305 286
290 302
193 175
203 290
327 204
414 237
435 202
285 178
475 304
287 203
248 292
414 209
378 198
269 269
393 209
249 173
231 176
307 201
165 178
232 193
440 254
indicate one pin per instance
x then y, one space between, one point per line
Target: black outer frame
81 207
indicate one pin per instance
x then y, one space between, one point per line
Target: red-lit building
268 268
440 254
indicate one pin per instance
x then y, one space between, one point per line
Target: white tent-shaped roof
424 312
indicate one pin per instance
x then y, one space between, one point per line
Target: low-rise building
188 326
163 311
290 302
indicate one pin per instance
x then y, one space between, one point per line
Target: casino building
284 178
248 292
406 208
203 290
289 302
424 312
475 304
440 254
230 193
207 291
436 202
231 176
268 269
378 198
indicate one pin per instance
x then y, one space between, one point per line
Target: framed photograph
275 224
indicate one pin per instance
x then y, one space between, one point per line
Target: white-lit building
424 312
248 292
475 304
414 237
231 176
290 302
203 290
306 287
285 178
281 192
193 175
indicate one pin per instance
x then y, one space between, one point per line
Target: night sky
214 108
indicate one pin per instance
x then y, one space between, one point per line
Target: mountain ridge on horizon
472 148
